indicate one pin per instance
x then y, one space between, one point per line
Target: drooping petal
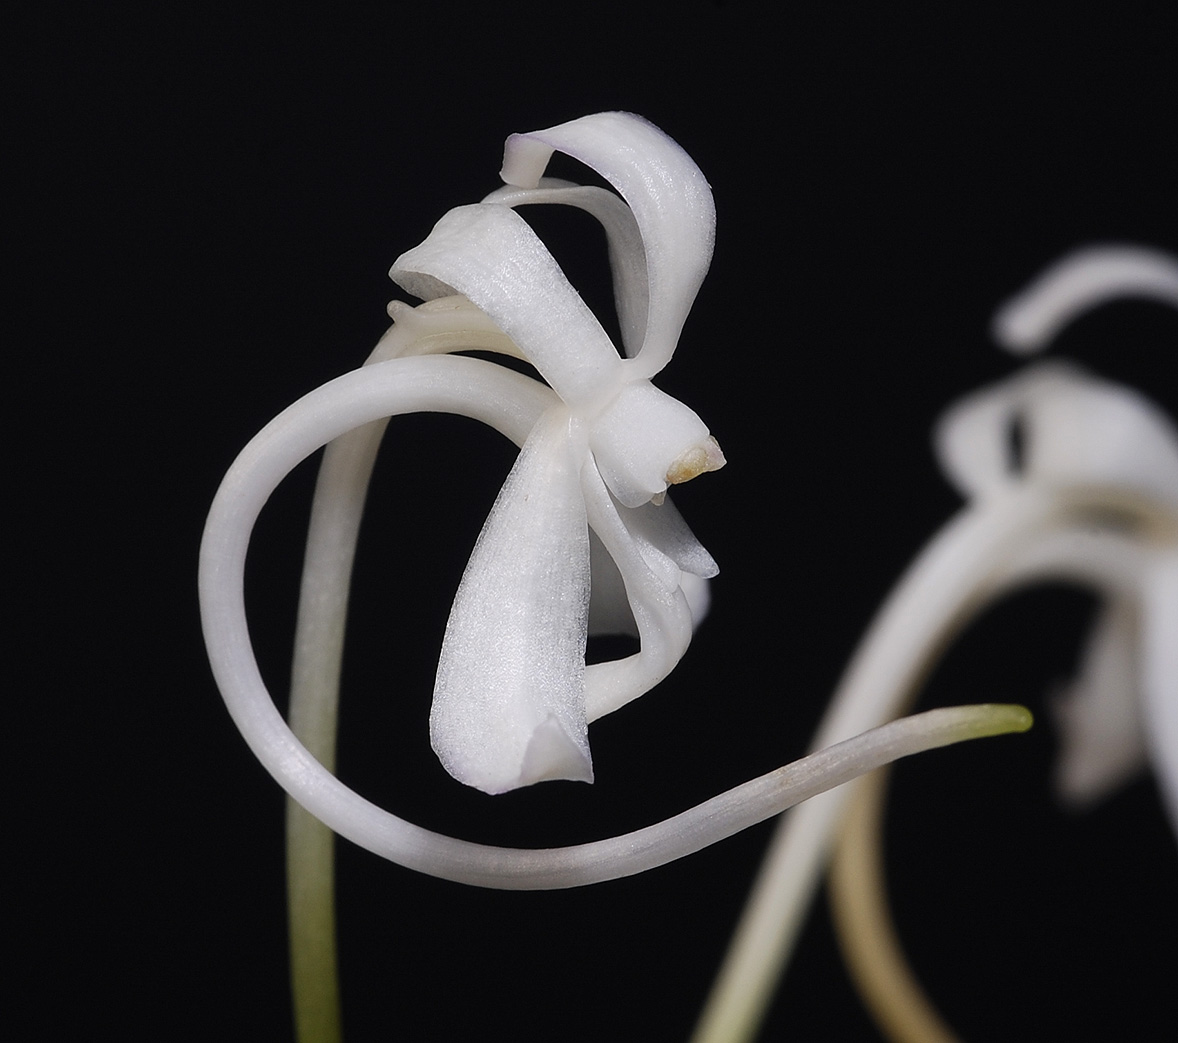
1080 281
627 258
663 531
1099 715
489 254
1107 728
1160 676
668 193
509 700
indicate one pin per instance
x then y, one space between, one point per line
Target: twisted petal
653 583
1056 426
627 258
489 254
509 701
668 194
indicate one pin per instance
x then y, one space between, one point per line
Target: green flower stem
314 971
336 512
314 705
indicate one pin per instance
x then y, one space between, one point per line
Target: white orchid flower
1067 477
1122 710
581 537
513 696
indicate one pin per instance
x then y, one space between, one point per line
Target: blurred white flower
1066 476
1084 439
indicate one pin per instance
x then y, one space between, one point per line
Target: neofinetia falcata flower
582 537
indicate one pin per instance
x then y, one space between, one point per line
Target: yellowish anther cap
707 456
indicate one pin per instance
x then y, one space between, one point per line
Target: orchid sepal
489 254
670 198
509 700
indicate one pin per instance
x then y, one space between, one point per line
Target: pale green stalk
336 512
314 713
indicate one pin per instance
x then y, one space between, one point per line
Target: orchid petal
698 593
509 701
1160 677
489 254
1076 430
438 327
1102 744
657 601
972 438
609 608
627 258
662 529
1080 281
662 526
668 193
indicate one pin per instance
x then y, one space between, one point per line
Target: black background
204 211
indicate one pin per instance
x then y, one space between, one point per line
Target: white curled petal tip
1102 744
509 700
669 548
974 438
1055 425
489 254
1160 677
667 192
644 440
440 326
1078 282
699 596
